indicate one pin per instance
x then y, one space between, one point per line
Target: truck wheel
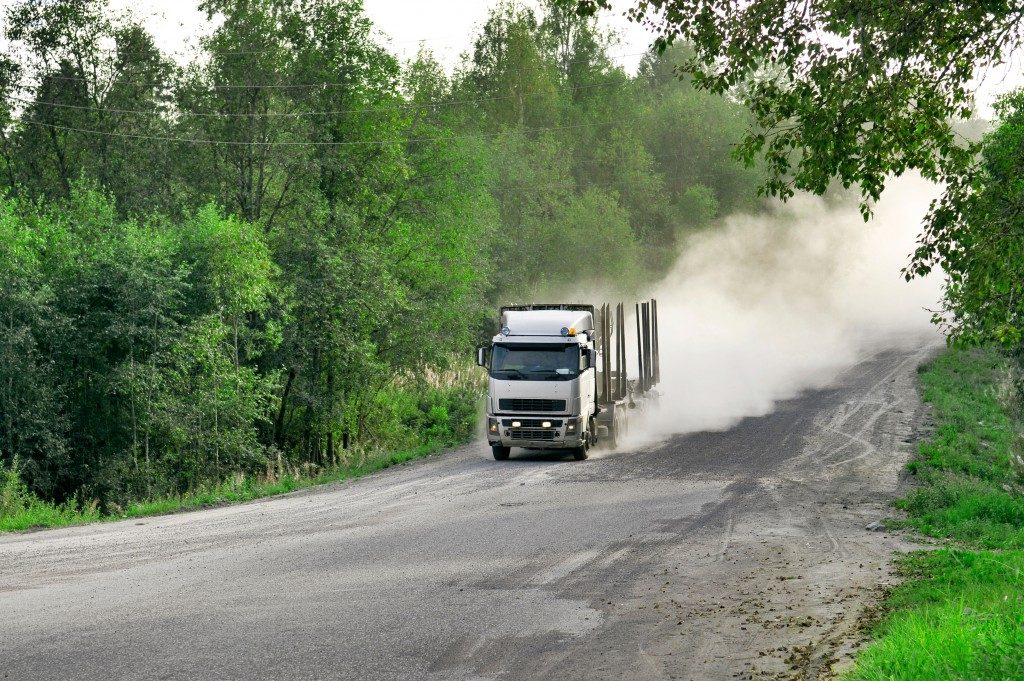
500 453
618 430
582 452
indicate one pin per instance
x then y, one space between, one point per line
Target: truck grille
533 434
528 405
532 423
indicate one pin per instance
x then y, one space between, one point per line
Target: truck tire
617 429
583 451
500 453
613 435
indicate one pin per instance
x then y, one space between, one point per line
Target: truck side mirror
483 356
588 359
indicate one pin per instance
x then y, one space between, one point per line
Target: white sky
446 27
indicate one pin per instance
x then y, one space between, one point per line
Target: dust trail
767 306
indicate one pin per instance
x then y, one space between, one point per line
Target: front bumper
534 432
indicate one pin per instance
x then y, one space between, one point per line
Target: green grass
959 614
20 510
38 514
970 488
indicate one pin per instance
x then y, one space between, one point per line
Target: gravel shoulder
735 554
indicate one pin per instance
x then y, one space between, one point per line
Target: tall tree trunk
279 422
330 411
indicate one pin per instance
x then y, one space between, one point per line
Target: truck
558 378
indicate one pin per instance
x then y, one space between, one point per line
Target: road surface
738 554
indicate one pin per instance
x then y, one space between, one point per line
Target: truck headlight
545 424
492 425
570 426
516 424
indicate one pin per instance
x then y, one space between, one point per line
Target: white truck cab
543 386
557 375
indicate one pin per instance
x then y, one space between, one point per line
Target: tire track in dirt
735 554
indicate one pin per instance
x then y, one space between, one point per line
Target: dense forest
277 257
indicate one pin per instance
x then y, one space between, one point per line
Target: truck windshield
536 362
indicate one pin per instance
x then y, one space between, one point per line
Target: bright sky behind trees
444 26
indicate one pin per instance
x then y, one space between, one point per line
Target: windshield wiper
518 374
554 374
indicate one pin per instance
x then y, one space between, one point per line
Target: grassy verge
20 510
959 614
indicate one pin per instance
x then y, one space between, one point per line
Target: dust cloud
767 306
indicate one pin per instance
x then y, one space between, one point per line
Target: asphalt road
712 555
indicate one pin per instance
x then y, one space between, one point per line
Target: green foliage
20 509
26 512
570 124
971 487
124 356
858 92
596 219
14 496
33 427
976 230
959 615
841 90
435 415
509 68
85 85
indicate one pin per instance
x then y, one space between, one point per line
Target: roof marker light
565 331
505 331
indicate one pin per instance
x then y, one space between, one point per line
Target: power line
183 51
306 143
380 36
339 112
286 86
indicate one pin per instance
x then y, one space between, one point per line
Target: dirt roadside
779 579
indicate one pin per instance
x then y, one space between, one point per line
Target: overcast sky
446 27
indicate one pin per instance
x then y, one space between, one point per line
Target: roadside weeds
22 511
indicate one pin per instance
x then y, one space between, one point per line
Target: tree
574 42
33 425
984 224
88 108
121 374
849 90
231 275
509 72
859 91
